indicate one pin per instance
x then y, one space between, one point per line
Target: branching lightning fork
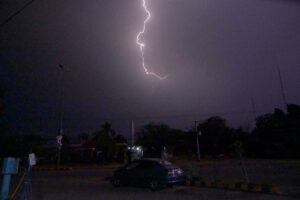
142 45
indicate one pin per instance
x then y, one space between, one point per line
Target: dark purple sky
218 54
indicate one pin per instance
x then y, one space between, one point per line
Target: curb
237 186
38 169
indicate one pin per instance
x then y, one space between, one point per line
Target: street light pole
59 138
197 140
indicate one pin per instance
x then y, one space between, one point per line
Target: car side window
158 166
145 165
132 165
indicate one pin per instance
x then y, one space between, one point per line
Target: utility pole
197 140
59 137
132 133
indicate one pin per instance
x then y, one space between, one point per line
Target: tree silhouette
104 141
106 127
83 137
276 135
216 137
120 139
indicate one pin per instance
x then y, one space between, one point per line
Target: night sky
218 54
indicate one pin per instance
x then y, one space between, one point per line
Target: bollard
10 166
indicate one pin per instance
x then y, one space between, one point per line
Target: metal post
197 140
244 167
5 186
10 166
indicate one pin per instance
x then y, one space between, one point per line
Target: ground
88 181
278 172
90 184
283 173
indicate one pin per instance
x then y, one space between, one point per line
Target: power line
253 107
15 14
281 86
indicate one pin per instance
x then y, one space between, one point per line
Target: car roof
157 160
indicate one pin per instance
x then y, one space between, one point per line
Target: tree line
275 136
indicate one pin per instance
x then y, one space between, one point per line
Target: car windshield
132 165
164 162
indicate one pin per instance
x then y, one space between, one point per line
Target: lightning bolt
142 45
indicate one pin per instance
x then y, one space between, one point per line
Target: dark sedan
153 173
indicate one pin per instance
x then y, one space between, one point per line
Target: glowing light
142 45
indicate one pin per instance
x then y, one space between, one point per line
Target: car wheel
116 182
154 185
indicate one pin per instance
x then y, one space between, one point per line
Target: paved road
90 185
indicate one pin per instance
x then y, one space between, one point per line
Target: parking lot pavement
90 185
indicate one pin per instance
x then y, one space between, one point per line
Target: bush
197 178
238 184
266 188
251 186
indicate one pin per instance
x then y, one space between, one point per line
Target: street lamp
60 136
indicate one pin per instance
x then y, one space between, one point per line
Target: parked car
152 173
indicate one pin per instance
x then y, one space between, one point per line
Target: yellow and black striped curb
238 186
